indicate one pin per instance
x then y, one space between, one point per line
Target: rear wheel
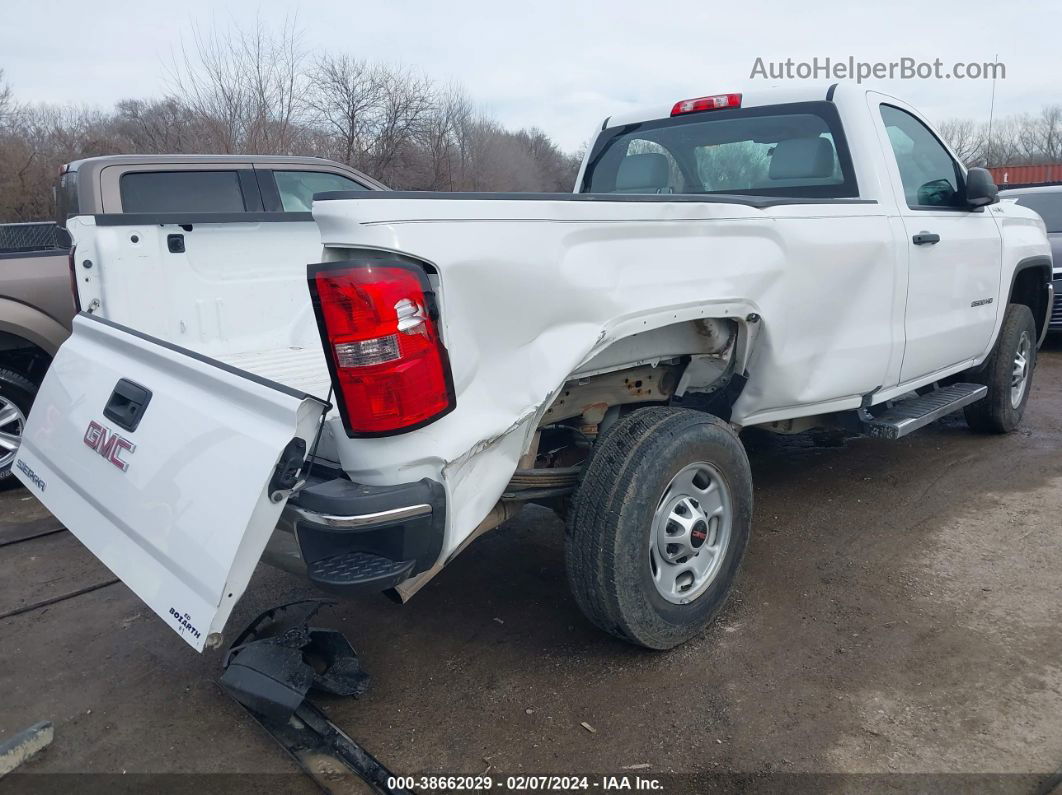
659 526
16 397
1007 373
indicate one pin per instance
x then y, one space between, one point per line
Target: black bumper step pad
359 568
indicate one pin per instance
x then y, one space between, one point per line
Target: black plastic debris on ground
274 663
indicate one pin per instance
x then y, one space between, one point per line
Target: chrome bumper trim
361 520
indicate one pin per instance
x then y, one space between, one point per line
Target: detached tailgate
160 461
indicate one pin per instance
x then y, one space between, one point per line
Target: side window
298 187
181 192
931 178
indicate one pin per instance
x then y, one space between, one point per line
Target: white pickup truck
780 259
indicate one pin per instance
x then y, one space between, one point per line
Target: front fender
1031 284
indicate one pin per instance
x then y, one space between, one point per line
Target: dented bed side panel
534 292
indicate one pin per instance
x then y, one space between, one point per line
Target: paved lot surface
900 611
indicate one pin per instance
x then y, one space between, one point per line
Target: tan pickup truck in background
37 304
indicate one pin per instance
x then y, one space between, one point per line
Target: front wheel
1007 372
659 526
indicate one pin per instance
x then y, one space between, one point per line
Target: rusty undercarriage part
502 511
531 484
553 464
590 397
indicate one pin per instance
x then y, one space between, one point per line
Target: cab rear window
782 150
181 192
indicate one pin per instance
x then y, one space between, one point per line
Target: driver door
955 253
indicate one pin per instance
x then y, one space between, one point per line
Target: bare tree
252 91
6 102
378 118
1041 137
965 137
243 87
159 126
439 139
36 140
1015 140
343 95
405 103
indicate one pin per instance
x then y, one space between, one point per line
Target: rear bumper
350 537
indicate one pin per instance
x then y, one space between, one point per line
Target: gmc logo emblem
108 444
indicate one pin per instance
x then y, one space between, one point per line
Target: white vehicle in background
786 260
36 304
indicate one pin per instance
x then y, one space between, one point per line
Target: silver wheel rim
690 533
1019 374
12 423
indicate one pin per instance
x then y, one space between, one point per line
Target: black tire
608 535
996 413
20 391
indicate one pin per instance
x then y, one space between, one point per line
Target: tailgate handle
127 404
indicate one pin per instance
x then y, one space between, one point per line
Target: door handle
924 238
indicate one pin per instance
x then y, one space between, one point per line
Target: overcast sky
559 65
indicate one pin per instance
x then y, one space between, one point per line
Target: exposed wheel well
697 363
1030 288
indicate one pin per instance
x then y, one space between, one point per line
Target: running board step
914 413
355 569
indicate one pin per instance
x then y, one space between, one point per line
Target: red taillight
378 324
706 103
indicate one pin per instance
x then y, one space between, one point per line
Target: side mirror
980 189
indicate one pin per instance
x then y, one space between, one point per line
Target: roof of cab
95 164
107 160
756 97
